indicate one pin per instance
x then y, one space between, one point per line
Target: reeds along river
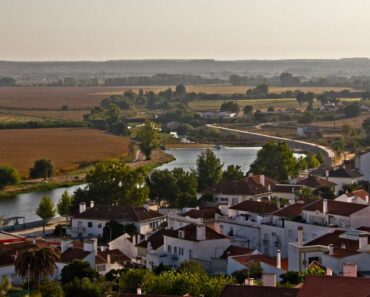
26 204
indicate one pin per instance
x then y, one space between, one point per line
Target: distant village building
309 132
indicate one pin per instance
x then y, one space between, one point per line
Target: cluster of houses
253 220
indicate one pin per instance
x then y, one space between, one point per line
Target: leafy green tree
42 168
248 109
77 269
51 289
148 138
312 161
338 145
191 266
208 170
46 210
300 97
306 194
276 160
270 108
135 278
230 106
162 184
65 205
291 277
253 270
307 118
8 176
5 286
36 264
180 90
112 115
233 172
325 192
114 182
82 287
320 157
366 127
113 230
259 117
352 110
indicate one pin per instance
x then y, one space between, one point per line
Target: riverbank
78 177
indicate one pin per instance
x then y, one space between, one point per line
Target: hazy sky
220 29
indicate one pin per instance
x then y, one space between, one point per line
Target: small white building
362 164
91 221
357 196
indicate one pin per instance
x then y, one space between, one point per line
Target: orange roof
245 259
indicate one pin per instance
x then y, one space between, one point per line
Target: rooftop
203 213
116 257
257 291
156 240
190 233
316 182
290 211
255 207
332 286
124 213
234 250
335 207
245 259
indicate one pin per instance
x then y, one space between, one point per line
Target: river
25 205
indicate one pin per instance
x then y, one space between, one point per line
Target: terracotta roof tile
245 259
156 240
123 213
255 207
190 232
290 211
256 291
234 250
336 207
332 286
73 254
116 257
315 182
203 213
359 193
286 188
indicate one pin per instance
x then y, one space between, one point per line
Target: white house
91 221
357 196
362 164
339 250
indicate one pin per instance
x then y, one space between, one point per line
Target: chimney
82 207
133 237
92 204
249 282
300 235
327 174
269 188
325 206
362 240
262 180
138 291
349 270
331 249
367 198
269 280
102 248
109 259
201 232
329 271
278 259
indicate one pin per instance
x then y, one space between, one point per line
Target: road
329 152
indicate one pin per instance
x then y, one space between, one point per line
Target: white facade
362 163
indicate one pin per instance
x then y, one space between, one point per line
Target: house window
190 253
100 224
181 251
89 224
175 249
169 248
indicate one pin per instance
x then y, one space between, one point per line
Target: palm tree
36 264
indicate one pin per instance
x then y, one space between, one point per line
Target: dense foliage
42 168
8 176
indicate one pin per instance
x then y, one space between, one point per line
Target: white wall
363 165
124 245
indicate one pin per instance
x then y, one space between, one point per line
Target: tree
208 170
270 109
262 89
113 230
180 90
82 288
300 97
309 98
191 266
148 138
114 182
230 106
36 264
287 79
5 286
42 168
276 160
112 115
253 270
306 194
134 278
248 109
259 117
233 172
307 118
366 127
312 161
77 269
8 176
51 289
46 210
65 205
352 110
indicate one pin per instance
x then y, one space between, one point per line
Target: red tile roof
286 188
73 254
234 250
247 186
191 233
255 207
359 193
156 240
290 211
203 213
336 207
116 257
245 259
315 182
256 291
332 286
118 213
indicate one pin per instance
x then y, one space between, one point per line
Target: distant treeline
42 124
7 82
